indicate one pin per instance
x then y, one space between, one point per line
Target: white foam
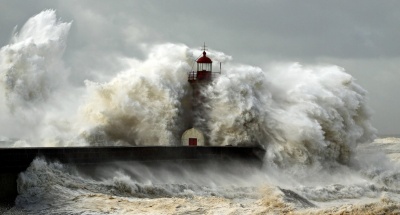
34 92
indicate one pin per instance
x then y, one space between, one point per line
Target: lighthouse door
192 141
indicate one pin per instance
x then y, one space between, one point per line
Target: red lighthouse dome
204 59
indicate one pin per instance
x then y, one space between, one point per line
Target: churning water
314 122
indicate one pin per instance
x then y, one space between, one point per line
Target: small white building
192 137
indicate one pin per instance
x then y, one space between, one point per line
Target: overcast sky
361 36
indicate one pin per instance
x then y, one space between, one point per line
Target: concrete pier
15 160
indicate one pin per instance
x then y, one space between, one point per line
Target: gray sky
361 36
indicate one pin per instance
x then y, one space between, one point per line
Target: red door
192 141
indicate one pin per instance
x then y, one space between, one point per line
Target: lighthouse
204 70
199 78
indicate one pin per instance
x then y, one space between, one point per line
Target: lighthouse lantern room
204 69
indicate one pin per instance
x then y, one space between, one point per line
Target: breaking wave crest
31 65
34 91
143 105
307 115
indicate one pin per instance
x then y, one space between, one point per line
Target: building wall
193 133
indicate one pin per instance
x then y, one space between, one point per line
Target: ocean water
369 187
323 156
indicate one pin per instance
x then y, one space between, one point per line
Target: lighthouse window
207 66
204 66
